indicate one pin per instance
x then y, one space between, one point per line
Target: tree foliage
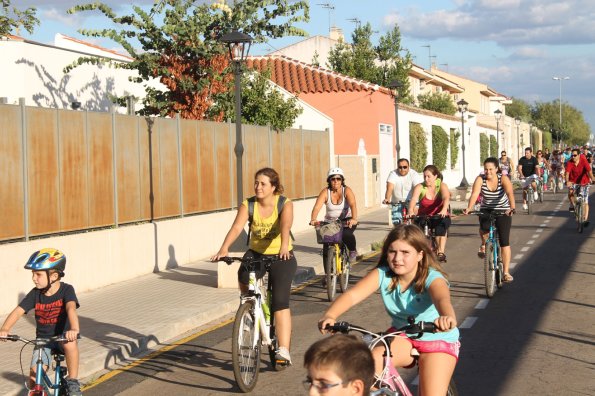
417 146
493 146
440 102
519 108
484 147
573 130
454 147
177 43
439 147
379 64
11 18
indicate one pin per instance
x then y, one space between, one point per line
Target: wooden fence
69 170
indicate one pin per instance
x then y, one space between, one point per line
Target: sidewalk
124 320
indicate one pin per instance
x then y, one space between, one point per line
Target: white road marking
531 242
468 322
524 248
539 230
518 256
550 217
535 236
512 265
543 225
482 303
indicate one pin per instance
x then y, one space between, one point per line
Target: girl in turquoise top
411 282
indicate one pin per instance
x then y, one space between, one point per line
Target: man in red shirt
578 171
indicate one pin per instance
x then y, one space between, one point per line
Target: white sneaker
282 356
535 195
525 207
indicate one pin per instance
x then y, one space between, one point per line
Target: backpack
251 201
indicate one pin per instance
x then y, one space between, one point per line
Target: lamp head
498 114
462 105
238 44
394 87
517 121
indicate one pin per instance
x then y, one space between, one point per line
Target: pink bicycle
390 382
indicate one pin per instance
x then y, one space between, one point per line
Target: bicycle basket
329 233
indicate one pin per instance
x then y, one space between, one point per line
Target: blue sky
514 46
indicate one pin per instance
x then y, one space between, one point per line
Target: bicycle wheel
345 268
529 200
452 388
245 347
499 270
331 273
578 211
540 192
489 270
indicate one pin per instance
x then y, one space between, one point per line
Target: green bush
417 146
484 147
547 140
454 147
493 147
439 147
535 141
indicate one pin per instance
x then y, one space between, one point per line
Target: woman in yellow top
269 235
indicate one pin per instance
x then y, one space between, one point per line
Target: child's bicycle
43 384
336 256
254 326
389 382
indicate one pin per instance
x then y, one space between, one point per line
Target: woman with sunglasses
339 201
542 168
505 164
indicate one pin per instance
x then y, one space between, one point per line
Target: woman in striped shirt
497 194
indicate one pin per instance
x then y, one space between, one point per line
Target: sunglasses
403 167
336 179
574 155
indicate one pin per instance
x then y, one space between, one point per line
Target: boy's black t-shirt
528 166
50 311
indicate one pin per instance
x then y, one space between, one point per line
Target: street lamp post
517 121
238 45
498 115
394 87
462 105
530 130
560 79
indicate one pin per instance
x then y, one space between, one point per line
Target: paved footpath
127 320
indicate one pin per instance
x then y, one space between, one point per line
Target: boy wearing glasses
578 171
339 365
399 184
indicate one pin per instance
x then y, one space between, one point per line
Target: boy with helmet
55 305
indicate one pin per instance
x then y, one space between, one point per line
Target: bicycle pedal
281 365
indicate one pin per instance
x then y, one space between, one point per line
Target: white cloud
62 17
526 53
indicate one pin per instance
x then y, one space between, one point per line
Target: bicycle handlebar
495 213
411 328
426 217
38 341
250 260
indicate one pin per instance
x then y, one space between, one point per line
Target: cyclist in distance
498 194
399 184
505 164
528 171
542 168
555 164
411 283
341 365
578 171
269 235
339 201
434 199
55 305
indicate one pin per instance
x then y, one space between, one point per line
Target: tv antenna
446 65
357 21
330 9
429 47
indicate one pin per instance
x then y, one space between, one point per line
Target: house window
385 129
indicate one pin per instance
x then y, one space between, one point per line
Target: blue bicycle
43 384
493 267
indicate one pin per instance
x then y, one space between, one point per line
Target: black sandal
441 257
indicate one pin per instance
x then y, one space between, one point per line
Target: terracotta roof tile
299 77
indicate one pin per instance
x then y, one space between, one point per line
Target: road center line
534 236
539 230
524 249
531 242
483 302
512 265
518 256
468 322
543 225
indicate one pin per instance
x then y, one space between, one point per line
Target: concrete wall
100 258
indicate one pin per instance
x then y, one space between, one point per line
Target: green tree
519 108
439 147
263 105
13 18
493 146
377 64
180 48
573 130
440 102
417 146
454 147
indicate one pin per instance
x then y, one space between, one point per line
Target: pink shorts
450 348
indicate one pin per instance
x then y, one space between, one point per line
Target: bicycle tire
529 200
331 273
540 192
489 270
499 270
579 217
245 358
452 388
345 269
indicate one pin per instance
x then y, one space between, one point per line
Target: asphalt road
536 336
